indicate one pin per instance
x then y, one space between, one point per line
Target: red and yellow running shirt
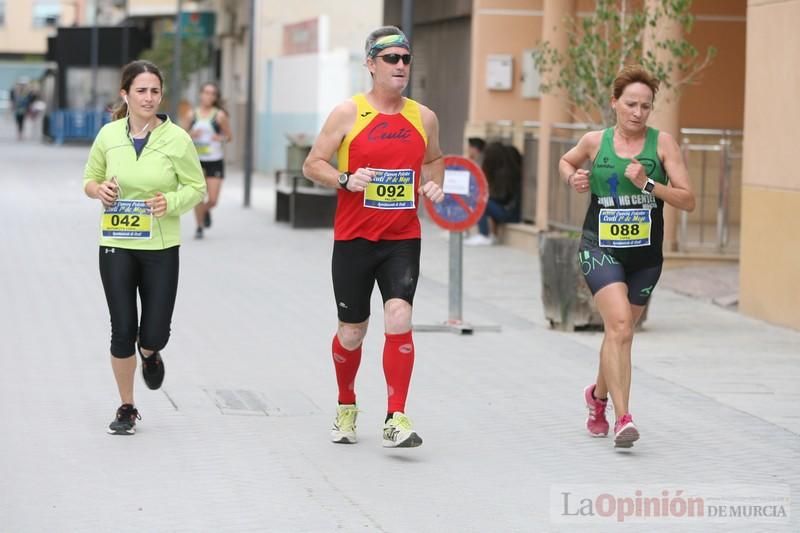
394 147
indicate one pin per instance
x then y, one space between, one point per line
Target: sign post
466 194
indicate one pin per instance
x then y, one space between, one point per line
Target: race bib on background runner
203 148
624 228
391 189
127 219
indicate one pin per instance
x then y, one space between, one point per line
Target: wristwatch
344 177
649 186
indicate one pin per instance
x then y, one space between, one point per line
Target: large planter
566 297
568 302
296 155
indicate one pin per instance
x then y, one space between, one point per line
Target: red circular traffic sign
459 211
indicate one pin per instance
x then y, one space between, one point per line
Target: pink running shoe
625 432
596 423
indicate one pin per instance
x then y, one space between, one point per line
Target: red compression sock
398 362
346 364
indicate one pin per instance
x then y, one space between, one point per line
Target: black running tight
154 273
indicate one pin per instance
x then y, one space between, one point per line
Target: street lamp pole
176 63
248 136
95 54
408 28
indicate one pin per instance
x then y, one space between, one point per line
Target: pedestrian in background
502 166
20 96
210 128
145 172
475 148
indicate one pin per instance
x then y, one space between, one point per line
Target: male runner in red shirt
387 148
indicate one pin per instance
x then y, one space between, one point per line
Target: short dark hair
634 74
477 142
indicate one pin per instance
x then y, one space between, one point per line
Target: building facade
770 250
736 138
307 59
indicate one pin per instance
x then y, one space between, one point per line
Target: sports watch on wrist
649 186
344 177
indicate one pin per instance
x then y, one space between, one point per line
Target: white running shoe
344 427
479 239
398 433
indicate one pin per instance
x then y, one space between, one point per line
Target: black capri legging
155 274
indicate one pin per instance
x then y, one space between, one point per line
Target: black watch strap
344 178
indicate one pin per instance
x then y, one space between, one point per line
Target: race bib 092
391 189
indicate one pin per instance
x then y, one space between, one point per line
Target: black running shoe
125 421
198 234
152 369
207 219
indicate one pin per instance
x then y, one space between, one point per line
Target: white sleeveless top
207 148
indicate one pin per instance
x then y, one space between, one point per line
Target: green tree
195 54
611 37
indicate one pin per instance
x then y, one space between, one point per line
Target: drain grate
248 402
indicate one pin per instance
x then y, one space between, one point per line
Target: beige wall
165 7
770 249
769 286
17 35
349 22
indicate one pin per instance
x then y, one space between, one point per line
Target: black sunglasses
392 59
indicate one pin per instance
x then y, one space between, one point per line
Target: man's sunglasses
393 59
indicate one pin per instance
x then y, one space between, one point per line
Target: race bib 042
127 219
391 189
624 228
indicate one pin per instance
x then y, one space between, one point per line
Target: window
46 13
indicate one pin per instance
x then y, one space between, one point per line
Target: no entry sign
466 193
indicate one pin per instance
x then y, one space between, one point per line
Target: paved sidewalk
237 439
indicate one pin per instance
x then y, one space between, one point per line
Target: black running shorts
213 169
600 268
356 266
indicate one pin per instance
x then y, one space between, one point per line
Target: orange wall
715 101
502 27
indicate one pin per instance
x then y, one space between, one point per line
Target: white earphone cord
128 115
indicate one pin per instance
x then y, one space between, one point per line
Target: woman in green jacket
145 172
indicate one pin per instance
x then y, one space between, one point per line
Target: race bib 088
624 228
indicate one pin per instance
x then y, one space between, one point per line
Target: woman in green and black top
145 172
635 169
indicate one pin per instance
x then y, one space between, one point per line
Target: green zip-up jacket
167 164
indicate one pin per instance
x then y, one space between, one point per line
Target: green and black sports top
627 223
